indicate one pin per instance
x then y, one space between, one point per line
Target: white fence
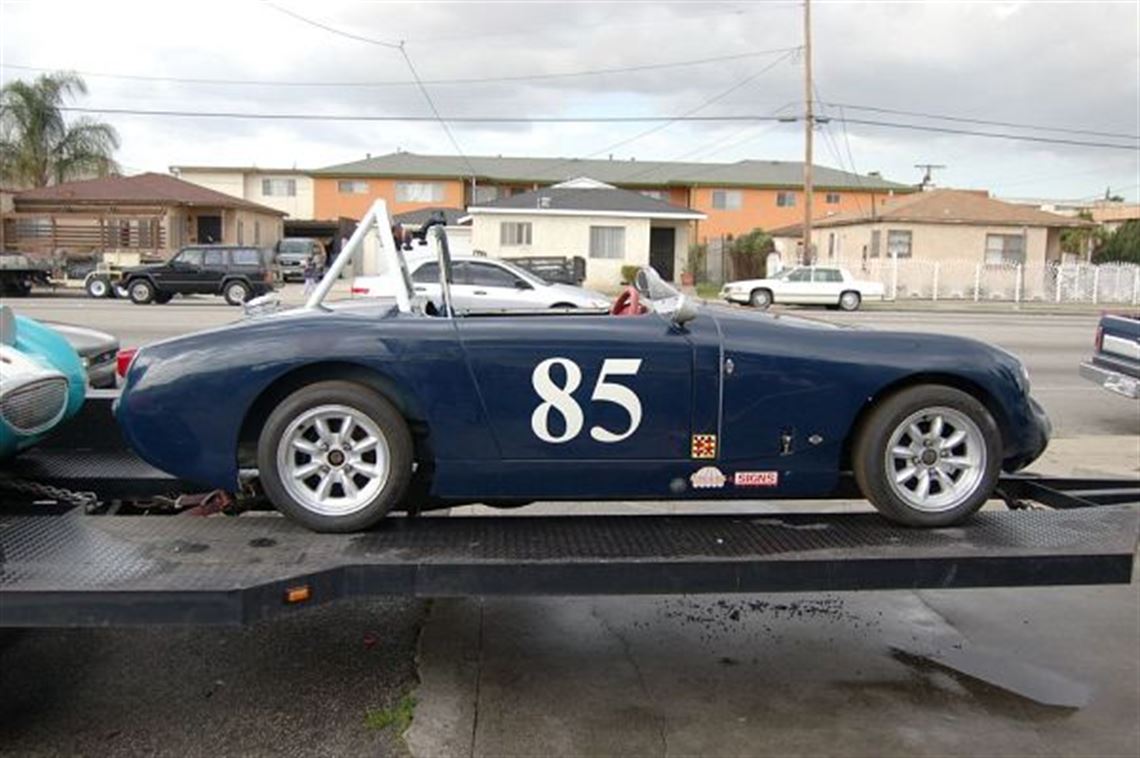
907 279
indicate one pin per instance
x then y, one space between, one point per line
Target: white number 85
561 399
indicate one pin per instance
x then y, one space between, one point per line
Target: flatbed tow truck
90 535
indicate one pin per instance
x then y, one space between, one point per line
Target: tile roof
141 188
943 206
583 201
748 173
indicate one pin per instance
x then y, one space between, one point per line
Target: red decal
756 479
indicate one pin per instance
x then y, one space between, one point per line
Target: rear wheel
850 300
99 287
335 456
236 292
760 298
928 456
141 291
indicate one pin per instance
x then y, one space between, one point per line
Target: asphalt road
1052 346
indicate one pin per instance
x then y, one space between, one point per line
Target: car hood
86 342
143 268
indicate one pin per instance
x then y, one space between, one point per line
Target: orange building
737 197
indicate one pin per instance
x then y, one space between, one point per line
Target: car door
495 287
796 287
828 284
213 270
564 389
181 274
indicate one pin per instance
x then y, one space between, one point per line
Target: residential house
964 233
608 226
734 198
287 190
148 213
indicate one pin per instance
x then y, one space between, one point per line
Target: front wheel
928 456
141 291
237 293
98 287
335 456
760 298
850 300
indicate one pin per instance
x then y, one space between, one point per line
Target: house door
209 229
662 241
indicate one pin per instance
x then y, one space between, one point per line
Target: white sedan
806 285
483 284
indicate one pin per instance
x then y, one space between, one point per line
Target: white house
607 226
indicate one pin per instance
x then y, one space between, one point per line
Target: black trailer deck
63 566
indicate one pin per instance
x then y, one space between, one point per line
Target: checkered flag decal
704 446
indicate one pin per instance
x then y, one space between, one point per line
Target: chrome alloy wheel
935 459
333 460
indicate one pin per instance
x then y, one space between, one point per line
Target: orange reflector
298 594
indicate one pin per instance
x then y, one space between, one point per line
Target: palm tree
37 147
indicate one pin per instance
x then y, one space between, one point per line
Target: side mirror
686 311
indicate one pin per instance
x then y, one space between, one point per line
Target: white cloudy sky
1067 65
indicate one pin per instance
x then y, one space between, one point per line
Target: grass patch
398 717
708 291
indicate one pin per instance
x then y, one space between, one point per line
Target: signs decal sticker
756 479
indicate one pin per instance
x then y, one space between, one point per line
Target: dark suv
234 272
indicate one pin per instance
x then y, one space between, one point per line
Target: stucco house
147 213
607 226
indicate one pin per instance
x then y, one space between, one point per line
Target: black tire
760 298
362 400
850 300
142 292
236 292
162 298
873 445
98 287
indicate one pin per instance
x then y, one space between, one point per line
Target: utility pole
809 125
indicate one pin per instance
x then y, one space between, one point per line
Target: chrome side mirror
261 306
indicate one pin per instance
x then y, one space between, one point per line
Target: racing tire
850 300
162 298
141 292
928 456
323 479
98 287
760 298
236 292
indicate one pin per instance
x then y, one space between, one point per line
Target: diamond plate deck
77 570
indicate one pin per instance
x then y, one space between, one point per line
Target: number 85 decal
561 399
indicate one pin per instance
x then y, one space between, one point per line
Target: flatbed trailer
63 563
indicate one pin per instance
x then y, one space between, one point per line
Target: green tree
1122 246
1078 241
38 147
750 254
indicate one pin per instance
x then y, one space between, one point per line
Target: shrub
629 273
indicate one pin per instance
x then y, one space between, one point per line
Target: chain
48 492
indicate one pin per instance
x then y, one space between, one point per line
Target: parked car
294 252
236 273
41 385
1115 364
97 351
805 285
345 412
483 284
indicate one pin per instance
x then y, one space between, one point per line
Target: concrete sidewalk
872 673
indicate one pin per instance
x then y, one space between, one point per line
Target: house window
485 193
660 195
876 243
832 198
279 187
241 232
898 244
1004 249
726 200
419 192
257 232
607 242
352 187
514 233
786 199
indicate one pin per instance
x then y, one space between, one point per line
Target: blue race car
346 412
42 382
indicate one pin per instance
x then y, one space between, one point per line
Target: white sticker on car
561 399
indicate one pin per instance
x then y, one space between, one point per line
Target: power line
435 110
333 30
984 122
411 82
738 117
